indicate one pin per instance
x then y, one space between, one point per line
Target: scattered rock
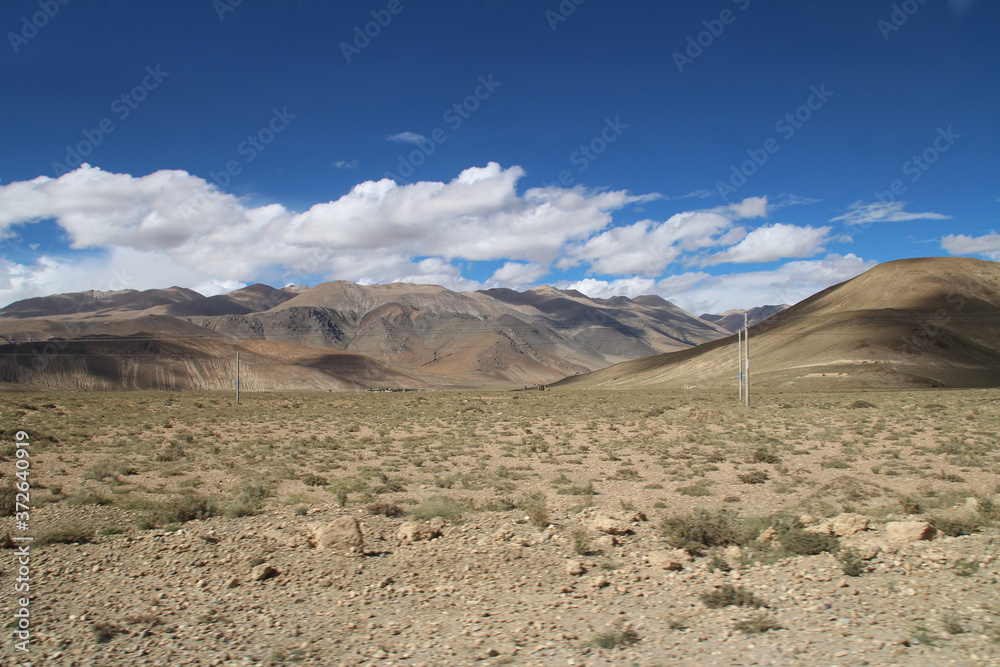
606 541
608 525
263 572
669 559
909 531
767 535
416 531
846 524
824 528
341 534
575 567
599 581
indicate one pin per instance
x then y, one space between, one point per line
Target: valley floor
527 528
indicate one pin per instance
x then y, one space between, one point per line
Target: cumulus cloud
700 292
987 245
860 213
374 232
774 242
648 248
518 273
174 228
406 138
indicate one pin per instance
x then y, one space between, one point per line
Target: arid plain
511 527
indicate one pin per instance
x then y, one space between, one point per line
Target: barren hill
733 320
913 322
404 335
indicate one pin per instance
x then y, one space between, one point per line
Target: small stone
608 525
575 567
263 572
415 531
341 534
669 559
598 582
606 541
846 524
909 531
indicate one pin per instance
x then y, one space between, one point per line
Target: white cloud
860 213
602 289
987 245
407 138
374 231
518 273
700 292
174 228
648 248
346 164
774 242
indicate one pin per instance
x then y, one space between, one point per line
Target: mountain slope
915 322
425 333
733 320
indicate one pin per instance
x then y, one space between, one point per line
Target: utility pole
746 342
237 377
739 360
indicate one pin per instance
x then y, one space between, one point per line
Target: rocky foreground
343 587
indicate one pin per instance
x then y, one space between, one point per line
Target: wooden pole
237 377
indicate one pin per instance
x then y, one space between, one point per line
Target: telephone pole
237 377
746 342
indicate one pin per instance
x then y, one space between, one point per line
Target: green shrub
616 638
727 594
385 509
440 506
756 625
63 535
536 508
764 455
311 479
178 509
704 529
851 562
695 490
754 477
804 543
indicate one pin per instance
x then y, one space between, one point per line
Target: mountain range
927 322
907 323
335 336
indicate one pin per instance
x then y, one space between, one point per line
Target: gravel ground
494 590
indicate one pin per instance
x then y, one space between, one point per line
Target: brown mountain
908 323
400 335
733 320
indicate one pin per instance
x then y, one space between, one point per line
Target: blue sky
721 154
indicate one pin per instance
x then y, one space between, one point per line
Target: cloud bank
171 227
